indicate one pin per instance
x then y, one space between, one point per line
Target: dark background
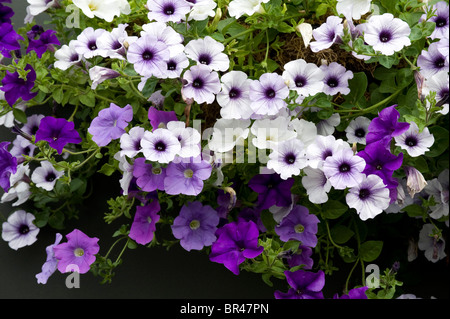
154 273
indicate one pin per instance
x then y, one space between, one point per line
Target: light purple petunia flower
369 198
195 226
357 130
386 34
431 243
189 138
45 42
441 19
335 79
414 142
299 225
45 176
201 84
305 78
148 56
51 263
16 87
144 223
268 93
148 178
22 146
175 66
327 34
110 124
343 169
235 242
8 166
304 285
19 230
432 61
32 124
77 254
166 34
160 145
168 10
159 119
301 257
86 43
99 74
112 44
208 51
187 176
323 146
57 132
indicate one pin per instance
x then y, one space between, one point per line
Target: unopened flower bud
415 181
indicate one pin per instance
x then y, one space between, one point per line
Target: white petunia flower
414 142
103 9
238 8
188 137
19 230
316 184
288 158
353 9
267 133
46 176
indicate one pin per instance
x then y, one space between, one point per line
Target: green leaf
20 115
58 95
370 250
415 210
321 9
358 86
56 220
441 139
333 209
341 234
88 99
107 169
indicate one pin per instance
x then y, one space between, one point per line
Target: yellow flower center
194 224
78 252
299 228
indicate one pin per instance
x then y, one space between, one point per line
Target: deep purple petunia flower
195 226
355 293
144 223
45 42
235 242
159 119
57 132
110 124
187 176
272 190
148 178
9 39
299 225
386 126
304 285
78 252
8 166
301 257
15 87
5 14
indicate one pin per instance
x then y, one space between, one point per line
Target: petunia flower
19 230
316 184
269 133
238 8
86 43
268 93
168 10
22 146
16 87
440 18
369 198
175 67
99 74
9 39
299 225
144 223
306 130
77 254
51 263
67 56
438 188
46 176
355 293
166 34
57 132
201 84
5 14
438 83
431 243
353 9
414 142
415 182
227 133
148 176
327 34
301 257
32 124
112 44
195 226
20 186
288 158
357 130
201 9
160 145
188 137
303 285
432 61
335 79
272 190
45 42
8 166
103 9
208 51
323 147
236 241
386 34
130 143
303 77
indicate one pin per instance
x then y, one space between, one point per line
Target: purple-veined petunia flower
111 44
432 61
235 242
175 66
19 230
431 243
16 87
57 132
414 142
386 34
369 198
20 187
305 78
441 19
353 9
268 93
301 257
438 83
327 34
86 43
148 56
335 79
130 143
386 126
32 125
45 42
201 84
189 138
344 169
357 130
5 14
208 51
77 254
110 124
380 161
67 56
355 293
46 176
438 188
316 184
323 147
304 285
195 226
269 133
166 34
187 176
234 96
99 74
144 222
22 146
272 190
288 158
159 119
148 177
168 10
160 145
9 39
299 225
51 263
8 166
